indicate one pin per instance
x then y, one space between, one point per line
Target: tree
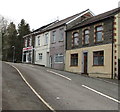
3 29
23 29
10 37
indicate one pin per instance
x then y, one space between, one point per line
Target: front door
85 62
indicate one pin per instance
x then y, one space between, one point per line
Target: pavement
59 89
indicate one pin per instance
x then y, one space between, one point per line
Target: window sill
85 44
73 65
98 65
98 42
60 40
53 42
58 62
45 44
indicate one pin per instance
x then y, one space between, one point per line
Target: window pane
86 31
75 34
74 59
99 36
59 58
95 60
76 41
86 39
98 58
99 28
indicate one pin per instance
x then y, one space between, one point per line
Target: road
31 87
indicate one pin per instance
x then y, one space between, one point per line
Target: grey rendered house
58 39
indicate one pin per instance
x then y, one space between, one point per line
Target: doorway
85 61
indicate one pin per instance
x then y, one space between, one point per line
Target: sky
41 12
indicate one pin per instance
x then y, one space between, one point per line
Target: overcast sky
41 12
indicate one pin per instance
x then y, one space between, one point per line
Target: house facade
92 46
58 39
50 42
28 50
42 49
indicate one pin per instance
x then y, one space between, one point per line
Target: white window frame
30 41
58 56
38 40
53 36
46 38
40 56
61 34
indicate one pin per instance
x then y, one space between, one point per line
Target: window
39 56
98 58
53 36
75 39
74 59
59 58
86 36
30 41
98 33
39 40
46 38
26 42
61 34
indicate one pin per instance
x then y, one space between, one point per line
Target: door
85 62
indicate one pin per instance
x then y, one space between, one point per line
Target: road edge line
33 89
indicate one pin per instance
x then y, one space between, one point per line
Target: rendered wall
98 71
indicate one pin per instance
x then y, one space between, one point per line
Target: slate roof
61 22
95 18
54 24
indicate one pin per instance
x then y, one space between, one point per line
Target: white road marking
33 89
60 75
101 94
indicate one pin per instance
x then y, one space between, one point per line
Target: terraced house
93 46
50 42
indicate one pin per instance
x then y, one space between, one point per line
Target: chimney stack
119 4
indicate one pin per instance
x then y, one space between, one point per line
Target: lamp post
13 53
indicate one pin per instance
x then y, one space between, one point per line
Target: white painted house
42 48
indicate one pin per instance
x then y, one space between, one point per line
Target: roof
39 29
64 21
95 18
56 24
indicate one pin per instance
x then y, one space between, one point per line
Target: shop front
27 55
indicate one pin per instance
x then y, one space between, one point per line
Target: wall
98 71
42 48
107 26
117 46
57 47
